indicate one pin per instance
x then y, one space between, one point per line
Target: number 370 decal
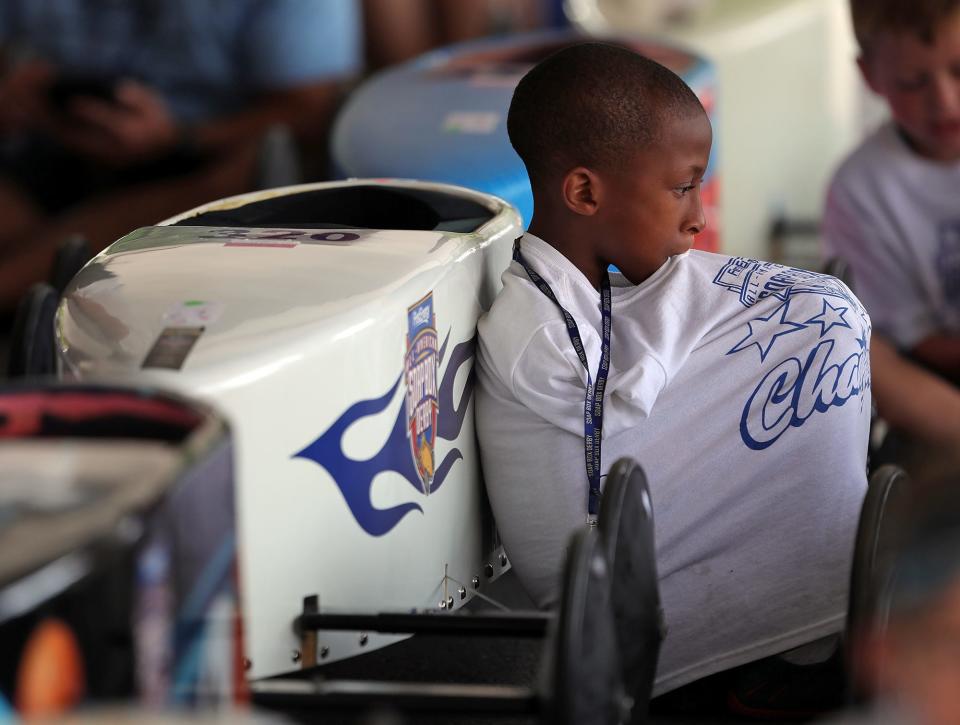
239 237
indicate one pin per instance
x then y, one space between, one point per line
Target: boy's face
652 206
921 83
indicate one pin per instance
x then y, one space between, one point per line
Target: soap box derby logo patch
429 411
420 374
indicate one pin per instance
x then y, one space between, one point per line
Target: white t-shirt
742 388
894 217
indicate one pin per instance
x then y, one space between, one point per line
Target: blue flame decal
355 478
451 418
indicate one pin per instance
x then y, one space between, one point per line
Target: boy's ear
581 189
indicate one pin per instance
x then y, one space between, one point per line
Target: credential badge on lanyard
593 401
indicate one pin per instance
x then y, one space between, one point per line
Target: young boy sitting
893 208
741 386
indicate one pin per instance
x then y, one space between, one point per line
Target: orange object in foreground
50 679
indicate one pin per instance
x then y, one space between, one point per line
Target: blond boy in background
893 212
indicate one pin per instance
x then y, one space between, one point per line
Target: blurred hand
136 126
23 96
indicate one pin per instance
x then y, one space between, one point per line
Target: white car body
303 343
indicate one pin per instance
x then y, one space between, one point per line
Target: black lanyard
593 401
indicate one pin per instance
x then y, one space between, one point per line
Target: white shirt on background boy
742 388
894 218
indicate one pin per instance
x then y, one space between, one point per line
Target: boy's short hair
919 17
592 104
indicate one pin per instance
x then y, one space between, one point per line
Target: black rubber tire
585 685
32 343
626 527
72 254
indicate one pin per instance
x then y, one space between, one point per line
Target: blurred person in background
921 408
909 655
117 113
398 30
893 215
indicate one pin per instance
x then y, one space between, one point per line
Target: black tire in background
72 254
32 346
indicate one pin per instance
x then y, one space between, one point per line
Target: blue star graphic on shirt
862 340
829 317
764 331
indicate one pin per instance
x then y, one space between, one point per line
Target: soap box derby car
334 325
117 551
